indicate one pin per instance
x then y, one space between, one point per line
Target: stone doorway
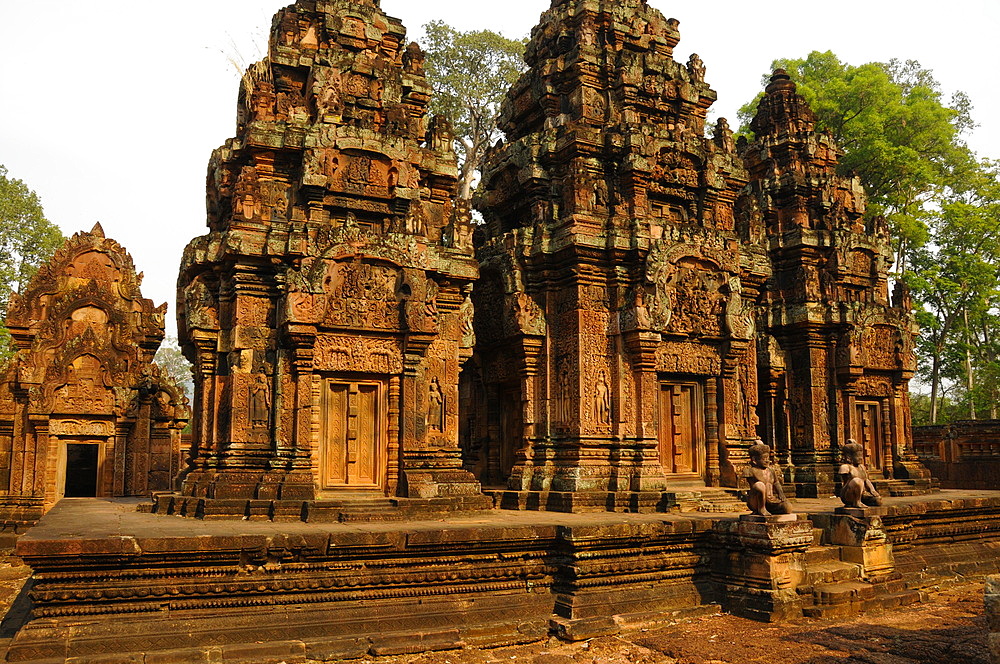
681 428
354 433
83 462
869 432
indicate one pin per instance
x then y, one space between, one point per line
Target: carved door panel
680 428
869 428
354 431
510 431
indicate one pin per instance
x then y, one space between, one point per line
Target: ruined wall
328 309
83 411
961 455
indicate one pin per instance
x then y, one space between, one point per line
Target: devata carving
328 308
103 420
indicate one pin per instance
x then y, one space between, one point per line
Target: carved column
393 443
888 437
712 439
641 346
37 459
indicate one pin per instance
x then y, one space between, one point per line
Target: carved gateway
101 419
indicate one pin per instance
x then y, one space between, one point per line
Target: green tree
957 279
173 363
900 136
470 73
27 239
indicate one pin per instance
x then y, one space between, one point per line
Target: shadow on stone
19 613
882 644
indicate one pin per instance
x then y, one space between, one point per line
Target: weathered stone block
991 602
861 535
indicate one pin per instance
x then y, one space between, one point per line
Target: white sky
110 109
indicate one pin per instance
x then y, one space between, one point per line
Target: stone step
851 598
362 509
719 500
820 554
832 572
842 592
361 516
904 487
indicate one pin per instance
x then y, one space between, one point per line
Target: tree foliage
27 239
470 73
173 363
900 136
956 277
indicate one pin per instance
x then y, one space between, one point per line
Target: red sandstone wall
962 455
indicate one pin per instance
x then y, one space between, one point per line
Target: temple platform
114 584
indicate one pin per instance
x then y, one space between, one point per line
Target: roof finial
780 80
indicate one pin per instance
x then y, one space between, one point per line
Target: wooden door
680 430
354 434
869 428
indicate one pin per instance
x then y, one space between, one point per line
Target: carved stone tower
83 412
328 310
839 356
616 307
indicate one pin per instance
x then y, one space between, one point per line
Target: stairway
915 487
720 500
832 588
707 500
361 508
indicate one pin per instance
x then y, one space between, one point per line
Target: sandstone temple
83 411
645 298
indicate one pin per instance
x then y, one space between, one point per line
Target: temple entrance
82 463
353 436
869 432
681 430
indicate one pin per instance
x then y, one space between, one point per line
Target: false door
354 434
869 428
680 431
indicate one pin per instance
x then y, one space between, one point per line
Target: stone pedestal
991 600
759 564
861 538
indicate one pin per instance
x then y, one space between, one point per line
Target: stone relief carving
341 353
435 406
